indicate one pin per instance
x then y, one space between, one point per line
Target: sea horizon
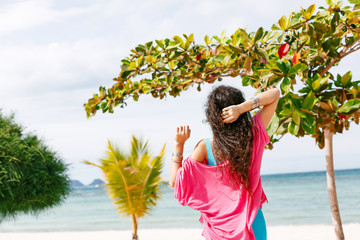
294 199
337 171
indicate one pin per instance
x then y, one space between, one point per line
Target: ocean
294 199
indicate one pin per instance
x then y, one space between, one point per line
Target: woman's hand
231 113
182 134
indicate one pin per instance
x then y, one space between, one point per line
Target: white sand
307 232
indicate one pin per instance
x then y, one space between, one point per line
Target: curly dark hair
232 141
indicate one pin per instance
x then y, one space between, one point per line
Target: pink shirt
226 212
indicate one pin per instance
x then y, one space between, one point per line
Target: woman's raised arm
268 100
182 134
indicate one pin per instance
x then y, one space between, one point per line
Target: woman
221 178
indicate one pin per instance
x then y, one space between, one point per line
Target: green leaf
173 45
247 65
354 1
140 49
274 80
178 39
346 78
354 14
327 45
282 23
275 27
191 38
293 128
319 82
258 34
223 34
309 124
286 111
273 125
297 68
243 35
302 114
350 106
309 101
160 43
125 74
148 45
285 85
207 40
263 55
331 3
282 66
235 38
311 9
187 45
319 27
316 85
333 53
236 49
296 117
294 23
166 41
246 81
335 21
281 37
219 58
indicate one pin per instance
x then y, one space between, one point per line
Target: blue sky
55 55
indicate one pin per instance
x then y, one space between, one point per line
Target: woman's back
229 194
226 211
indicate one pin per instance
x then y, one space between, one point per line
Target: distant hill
96 183
76 184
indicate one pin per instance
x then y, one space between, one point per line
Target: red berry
198 57
342 116
283 50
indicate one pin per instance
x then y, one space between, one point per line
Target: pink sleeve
189 187
180 188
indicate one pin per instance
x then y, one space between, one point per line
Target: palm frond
93 164
138 148
144 162
114 154
151 185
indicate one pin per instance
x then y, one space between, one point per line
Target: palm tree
133 179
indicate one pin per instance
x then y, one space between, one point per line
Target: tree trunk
134 223
330 178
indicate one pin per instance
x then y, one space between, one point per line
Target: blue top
211 158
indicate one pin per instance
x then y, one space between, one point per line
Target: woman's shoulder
199 153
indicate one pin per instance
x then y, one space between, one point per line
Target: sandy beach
304 232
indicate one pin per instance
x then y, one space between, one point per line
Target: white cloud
33 69
31 13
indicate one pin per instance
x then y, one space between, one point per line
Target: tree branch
354 49
343 53
331 63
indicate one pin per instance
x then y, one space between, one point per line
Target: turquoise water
294 199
